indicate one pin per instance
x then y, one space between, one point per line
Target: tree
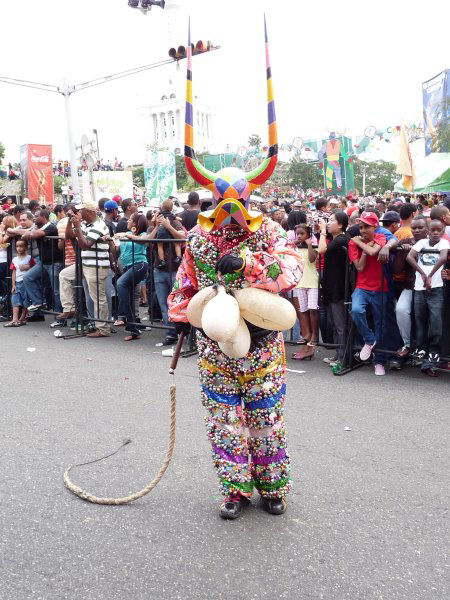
380 175
304 174
58 182
254 141
441 137
185 183
138 175
2 151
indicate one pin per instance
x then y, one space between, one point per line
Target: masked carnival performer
244 397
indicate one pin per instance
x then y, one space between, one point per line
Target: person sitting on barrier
163 233
428 257
134 263
363 252
19 297
48 266
67 275
306 294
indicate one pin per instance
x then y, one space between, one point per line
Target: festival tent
432 175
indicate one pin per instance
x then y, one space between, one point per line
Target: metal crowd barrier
82 319
349 345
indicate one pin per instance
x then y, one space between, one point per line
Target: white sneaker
329 360
34 307
379 370
366 351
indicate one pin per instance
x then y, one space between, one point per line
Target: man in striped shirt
89 230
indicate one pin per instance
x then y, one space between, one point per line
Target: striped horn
258 176
196 170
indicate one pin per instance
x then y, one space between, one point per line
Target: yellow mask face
230 213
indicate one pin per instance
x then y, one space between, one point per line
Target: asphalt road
366 517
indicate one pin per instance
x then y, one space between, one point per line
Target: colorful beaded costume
244 398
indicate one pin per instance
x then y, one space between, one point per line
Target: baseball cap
390 217
111 205
297 203
369 218
87 204
117 198
334 201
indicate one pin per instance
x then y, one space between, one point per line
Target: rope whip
88 497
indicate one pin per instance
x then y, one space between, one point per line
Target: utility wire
31 82
130 71
45 87
33 87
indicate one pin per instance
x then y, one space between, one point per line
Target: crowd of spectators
386 258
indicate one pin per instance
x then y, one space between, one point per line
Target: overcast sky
335 65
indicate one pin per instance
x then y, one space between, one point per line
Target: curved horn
196 170
262 173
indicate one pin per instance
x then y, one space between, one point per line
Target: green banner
159 176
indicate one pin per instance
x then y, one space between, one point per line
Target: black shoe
276 506
169 341
232 506
395 364
35 318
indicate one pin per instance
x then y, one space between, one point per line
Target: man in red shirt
363 253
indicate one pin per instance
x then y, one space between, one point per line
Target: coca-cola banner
39 184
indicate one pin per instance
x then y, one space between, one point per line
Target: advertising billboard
37 173
160 176
435 92
108 184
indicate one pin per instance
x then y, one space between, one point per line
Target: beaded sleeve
184 287
277 269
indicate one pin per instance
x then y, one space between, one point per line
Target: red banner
40 174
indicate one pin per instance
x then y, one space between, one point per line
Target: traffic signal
181 52
146 4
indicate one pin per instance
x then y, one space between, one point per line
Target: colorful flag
405 166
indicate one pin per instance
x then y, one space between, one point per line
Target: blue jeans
164 281
35 279
428 313
361 300
125 291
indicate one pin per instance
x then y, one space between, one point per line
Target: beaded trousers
245 401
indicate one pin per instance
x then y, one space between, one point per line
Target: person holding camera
91 232
164 275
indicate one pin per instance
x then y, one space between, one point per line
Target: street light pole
66 91
96 141
363 169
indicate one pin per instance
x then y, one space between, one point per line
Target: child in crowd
306 294
363 253
8 222
163 233
19 299
428 257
